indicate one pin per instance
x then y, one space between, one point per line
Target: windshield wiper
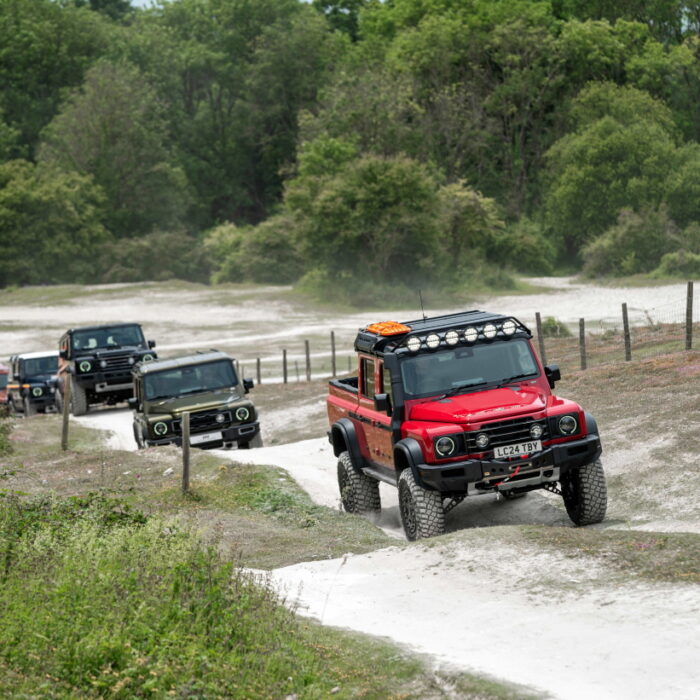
460 387
510 380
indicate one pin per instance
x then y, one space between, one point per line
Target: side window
367 377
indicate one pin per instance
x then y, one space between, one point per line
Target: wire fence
659 330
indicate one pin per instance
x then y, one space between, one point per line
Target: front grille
204 421
507 432
116 362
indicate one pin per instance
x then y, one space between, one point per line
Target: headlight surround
148 357
567 425
445 446
160 428
536 431
242 413
37 391
84 365
482 441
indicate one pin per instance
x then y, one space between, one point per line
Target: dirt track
479 598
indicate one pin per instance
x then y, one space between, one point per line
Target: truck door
376 425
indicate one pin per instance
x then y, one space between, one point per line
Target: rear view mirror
382 403
553 374
248 384
133 403
63 354
151 344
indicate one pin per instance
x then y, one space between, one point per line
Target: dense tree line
348 144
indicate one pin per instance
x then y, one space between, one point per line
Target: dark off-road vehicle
98 360
4 398
32 388
456 406
206 386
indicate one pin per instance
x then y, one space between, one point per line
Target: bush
552 328
679 264
157 256
522 246
267 253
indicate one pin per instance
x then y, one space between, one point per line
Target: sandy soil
563 625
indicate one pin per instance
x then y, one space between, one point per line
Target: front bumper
480 475
236 433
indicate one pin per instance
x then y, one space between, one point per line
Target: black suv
33 384
99 360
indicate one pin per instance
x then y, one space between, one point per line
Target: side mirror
382 403
133 403
553 374
248 384
151 344
63 354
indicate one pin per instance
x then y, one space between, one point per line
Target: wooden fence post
540 337
582 341
296 368
284 366
186 452
66 410
349 365
333 369
628 339
689 318
308 360
258 372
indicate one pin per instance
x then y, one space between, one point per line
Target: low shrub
552 328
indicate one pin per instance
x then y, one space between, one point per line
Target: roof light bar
470 335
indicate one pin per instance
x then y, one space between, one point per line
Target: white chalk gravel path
564 626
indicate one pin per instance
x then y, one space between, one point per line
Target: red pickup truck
455 406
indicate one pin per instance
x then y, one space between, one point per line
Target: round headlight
220 417
509 327
482 441
160 428
471 334
445 446
432 341
567 425
242 413
103 363
37 391
413 344
147 357
452 337
536 431
489 331
85 366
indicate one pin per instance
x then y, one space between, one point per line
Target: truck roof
375 339
198 358
34 355
103 326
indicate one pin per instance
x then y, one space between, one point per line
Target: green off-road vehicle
206 386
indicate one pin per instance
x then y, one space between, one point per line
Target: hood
481 406
194 402
110 352
40 378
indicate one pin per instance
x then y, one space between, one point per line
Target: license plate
206 437
519 450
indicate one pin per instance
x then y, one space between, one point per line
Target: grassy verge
104 592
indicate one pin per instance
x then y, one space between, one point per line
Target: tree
113 130
50 225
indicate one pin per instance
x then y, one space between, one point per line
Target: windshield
40 365
113 337
453 371
192 379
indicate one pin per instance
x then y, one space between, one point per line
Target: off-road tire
585 494
29 407
138 436
422 514
78 399
359 493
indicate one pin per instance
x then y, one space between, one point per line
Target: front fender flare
408 454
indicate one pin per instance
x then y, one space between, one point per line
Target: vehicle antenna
420 296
